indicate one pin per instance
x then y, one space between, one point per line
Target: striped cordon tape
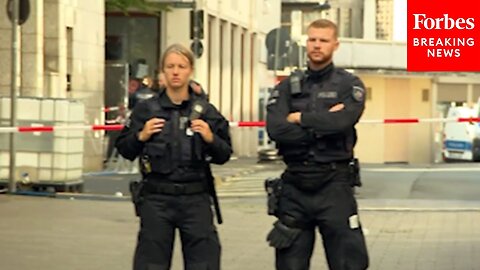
38 128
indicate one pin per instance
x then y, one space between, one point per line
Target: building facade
62 56
375 49
232 66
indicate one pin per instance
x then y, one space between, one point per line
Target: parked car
268 154
461 140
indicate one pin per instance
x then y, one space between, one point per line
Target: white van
461 140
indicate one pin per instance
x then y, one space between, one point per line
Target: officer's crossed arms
295 117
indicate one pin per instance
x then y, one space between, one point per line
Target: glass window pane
132 38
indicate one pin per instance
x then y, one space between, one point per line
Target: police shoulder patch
275 93
272 99
128 123
358 93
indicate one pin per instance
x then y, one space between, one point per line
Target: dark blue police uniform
142 93
174 168
316 187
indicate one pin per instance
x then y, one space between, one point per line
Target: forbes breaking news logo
443 46
439 39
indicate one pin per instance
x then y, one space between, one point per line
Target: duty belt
175 188
325 165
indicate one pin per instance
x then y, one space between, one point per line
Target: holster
354 167
273 187
136 194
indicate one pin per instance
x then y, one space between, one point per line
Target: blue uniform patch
358 93
272 99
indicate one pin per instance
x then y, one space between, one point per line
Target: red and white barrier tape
58 128
379 121
418 120
232 124
112 109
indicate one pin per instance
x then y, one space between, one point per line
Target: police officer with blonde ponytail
176 135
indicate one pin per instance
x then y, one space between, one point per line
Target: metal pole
13 93
277 51
195 29
275 74
195 34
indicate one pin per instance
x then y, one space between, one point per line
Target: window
134 37
384 19
345 22
368 93
425 95
69 58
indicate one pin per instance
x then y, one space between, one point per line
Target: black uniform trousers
160 215
333 209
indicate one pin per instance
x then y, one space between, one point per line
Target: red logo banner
443 35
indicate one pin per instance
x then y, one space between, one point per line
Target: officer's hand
152 126
337 107
294 118
200 126
197 88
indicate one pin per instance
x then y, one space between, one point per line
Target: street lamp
196 30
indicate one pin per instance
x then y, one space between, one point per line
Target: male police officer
175 134
311 117
144 92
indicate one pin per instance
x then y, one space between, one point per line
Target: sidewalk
57 234
91 232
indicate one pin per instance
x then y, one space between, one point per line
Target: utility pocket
160 157
164 135
297 151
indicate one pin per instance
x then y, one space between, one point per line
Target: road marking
421 169
241 194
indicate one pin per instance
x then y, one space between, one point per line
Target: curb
257 167
418 205
71 196
116 198
418 209
242 173
93 197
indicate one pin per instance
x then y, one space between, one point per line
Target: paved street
74 74
58 234
404 230
244 178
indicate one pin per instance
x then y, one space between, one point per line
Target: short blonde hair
324 23
178 49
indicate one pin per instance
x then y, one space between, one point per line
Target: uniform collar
167 103
322 73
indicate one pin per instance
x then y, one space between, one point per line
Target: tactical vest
315 95
175 146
